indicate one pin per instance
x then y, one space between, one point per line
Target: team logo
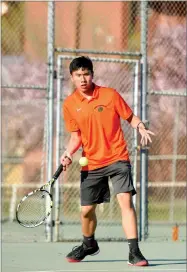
100 108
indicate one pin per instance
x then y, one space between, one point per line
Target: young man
92 116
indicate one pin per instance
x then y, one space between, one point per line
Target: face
82 79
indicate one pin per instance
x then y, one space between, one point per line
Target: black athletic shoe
78 253
136 258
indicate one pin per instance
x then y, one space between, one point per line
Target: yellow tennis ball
83 161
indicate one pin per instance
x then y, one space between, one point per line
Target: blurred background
26 38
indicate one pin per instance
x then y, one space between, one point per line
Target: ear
71 78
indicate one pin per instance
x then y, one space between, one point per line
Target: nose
83 79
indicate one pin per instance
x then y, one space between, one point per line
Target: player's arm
75 137
74 142
73 145
126 113
136 123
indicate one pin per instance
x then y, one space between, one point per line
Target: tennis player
92 116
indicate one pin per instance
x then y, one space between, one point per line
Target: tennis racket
35 207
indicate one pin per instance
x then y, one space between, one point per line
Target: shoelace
77 250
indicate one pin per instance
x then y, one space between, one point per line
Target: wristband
67 155
141 123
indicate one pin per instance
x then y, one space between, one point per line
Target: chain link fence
24 112
89 25
23 98
167 115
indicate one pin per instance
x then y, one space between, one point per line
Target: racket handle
58 172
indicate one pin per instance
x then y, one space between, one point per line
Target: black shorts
94 188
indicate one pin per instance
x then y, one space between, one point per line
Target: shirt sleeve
70 123
122 107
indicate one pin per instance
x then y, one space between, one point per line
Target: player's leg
129 223
89 223
89 245
123 187
128 213
94 190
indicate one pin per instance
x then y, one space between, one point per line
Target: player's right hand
66 160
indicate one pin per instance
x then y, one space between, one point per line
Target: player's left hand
145 136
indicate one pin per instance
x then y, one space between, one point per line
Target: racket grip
58 172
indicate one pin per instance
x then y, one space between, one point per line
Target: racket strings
34 209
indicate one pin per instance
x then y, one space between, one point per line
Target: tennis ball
83 161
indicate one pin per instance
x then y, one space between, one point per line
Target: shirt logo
100 109
79 109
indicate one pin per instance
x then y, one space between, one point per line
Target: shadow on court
104 261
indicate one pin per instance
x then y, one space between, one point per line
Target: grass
157 211
161 211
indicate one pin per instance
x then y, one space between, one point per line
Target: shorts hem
93 203
133 192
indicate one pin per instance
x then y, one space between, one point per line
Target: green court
50 257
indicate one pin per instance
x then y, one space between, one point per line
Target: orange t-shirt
98 120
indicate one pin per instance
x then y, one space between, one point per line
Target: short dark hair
81 62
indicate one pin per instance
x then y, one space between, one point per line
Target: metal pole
174 163
97 52
135 136
58 139
78 24
50 86
144 152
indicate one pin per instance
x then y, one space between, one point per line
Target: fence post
135 135
143 232
174 161
50 93
13 203
58 147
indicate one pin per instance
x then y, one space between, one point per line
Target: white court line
121 270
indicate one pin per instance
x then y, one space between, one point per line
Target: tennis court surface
50 257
